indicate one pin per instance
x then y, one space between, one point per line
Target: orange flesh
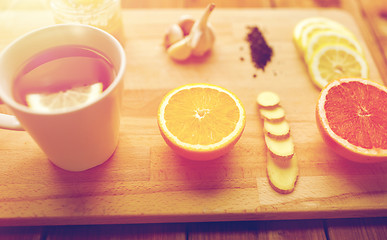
202 116
358 114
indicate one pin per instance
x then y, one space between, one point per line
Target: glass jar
103 14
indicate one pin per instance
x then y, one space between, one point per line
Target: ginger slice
282 178
282 166
282 149
268 99
273 115
276 129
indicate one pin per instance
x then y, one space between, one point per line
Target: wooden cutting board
146 182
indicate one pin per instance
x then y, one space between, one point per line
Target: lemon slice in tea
48 102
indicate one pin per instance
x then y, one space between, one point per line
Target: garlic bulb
189 37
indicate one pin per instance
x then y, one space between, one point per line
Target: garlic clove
203 42
202 36
180 50
186 22
174 34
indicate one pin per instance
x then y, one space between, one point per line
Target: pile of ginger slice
282 166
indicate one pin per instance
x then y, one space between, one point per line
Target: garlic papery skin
202 37
174 34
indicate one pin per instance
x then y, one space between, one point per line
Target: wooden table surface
370 16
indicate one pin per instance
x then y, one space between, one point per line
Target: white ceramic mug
83 136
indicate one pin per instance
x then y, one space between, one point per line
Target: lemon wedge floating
48 102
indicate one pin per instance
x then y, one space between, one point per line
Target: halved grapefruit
351 115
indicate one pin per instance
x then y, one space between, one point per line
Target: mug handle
9 122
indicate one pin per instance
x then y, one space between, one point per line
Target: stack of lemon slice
329 50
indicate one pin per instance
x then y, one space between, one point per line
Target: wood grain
259 230
375 14
21 233
133 232
146 182
364 228
333 229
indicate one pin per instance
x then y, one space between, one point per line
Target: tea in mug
57 73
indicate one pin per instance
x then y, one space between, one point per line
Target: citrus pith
351 115
201 121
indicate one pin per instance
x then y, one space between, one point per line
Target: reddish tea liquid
62 68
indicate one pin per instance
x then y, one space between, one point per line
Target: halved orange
201 121
351 115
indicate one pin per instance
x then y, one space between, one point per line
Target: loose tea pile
261 53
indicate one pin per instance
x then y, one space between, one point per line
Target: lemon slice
306 22
48 102
308 25
335 61
310 30
320 38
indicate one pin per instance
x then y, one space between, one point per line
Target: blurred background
4 4
371 16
